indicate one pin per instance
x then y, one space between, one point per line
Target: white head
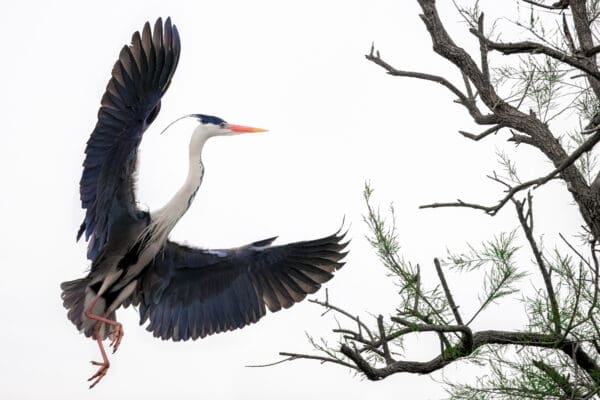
208 127
214 126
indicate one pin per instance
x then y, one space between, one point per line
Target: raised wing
190 293
131 102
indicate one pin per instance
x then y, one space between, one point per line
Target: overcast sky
334 120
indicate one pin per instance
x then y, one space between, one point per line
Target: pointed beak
244 129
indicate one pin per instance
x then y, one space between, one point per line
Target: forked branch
512 191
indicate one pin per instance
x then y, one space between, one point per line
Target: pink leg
104 365
117 334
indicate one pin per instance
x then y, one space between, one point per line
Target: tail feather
77 296
73 296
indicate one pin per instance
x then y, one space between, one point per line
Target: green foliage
526 374
425 305
497 258
509 169
588 162
537 82
563 306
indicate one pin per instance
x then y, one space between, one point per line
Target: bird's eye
223 125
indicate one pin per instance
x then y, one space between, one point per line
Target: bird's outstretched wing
131 102
190 293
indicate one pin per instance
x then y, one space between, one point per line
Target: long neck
167 216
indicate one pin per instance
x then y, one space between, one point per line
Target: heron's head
214 126
209 126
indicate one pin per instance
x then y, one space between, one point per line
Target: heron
183 292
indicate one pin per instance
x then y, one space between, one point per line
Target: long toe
97 377
117 335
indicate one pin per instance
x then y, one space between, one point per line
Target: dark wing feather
190 293
139 79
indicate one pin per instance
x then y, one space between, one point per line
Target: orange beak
244 129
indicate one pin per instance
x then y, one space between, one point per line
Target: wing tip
264 242
80 231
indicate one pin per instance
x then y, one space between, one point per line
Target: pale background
335 120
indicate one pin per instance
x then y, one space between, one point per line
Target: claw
100 373
116 337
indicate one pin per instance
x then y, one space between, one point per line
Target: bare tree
552 75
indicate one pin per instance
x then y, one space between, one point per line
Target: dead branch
566 163
525 219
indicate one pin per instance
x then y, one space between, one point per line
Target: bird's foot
116 336
100 373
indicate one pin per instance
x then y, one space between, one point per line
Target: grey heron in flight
184 292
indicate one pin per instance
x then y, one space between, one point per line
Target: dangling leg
117 332
104 365
117 335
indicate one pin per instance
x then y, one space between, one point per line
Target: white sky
335 120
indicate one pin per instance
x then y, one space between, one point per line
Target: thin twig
568 36
527 86
519 206
529 47
560 5
492 210
447 292
384 342
483 134
375 57
294 356
345 313
483 49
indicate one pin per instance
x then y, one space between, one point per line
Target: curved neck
168 215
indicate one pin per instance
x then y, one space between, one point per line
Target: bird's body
184 292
